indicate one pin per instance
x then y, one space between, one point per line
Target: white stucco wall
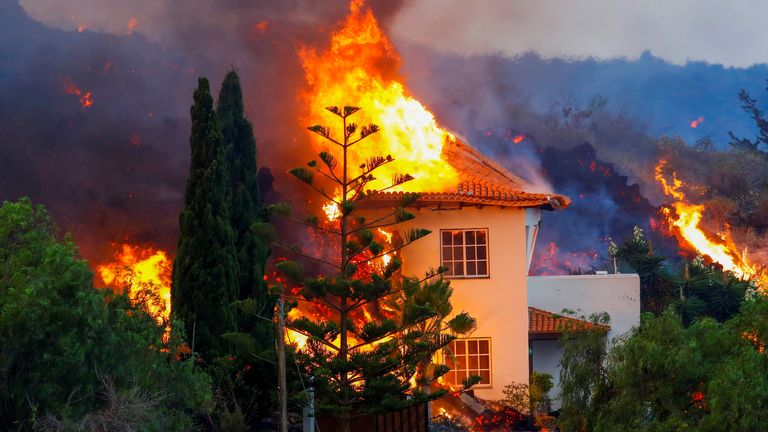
616 294
498 302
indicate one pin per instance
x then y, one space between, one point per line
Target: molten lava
697 122
360 68
85 96
132 22
139 269
686 217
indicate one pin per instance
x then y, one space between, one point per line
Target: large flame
360 68
138 268
686 218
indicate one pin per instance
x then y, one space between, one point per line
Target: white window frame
464 260
453 373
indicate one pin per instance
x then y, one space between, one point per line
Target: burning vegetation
685 218
144 274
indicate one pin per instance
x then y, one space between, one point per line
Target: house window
467 357
464 252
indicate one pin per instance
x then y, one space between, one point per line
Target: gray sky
729 32
732 33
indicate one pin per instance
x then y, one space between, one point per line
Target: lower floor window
467 357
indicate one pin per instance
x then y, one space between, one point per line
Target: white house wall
616 294
498 302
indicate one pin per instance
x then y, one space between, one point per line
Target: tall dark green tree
240 153
205 270
254 378
363 366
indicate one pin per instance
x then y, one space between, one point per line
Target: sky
731 33
714 31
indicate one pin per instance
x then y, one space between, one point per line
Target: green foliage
541 384
70 352
245 206
252 236
205 271
516 395
365 366
582 376
697 290
708 376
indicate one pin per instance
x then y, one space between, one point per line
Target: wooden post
281 365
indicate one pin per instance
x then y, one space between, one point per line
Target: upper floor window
464 252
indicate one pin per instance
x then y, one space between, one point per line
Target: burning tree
365 357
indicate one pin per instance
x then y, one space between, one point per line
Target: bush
62 339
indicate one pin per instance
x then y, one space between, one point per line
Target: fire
386 258
686 218
517 139
360 68
697 122
137 268
260 27
331 211
86 99
132 24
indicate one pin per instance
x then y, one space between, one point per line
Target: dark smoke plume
115 170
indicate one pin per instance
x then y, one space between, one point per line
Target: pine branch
325 133
372 164
365 132
371 224
291 249
310 225
332 346
324 303
332 177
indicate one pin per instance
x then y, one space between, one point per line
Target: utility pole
281 365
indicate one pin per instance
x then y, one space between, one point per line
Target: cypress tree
205 269
254 387
240 151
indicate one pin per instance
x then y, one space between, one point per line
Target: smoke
602 160
115 171
677 31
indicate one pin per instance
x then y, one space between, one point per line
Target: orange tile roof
481 182
548 325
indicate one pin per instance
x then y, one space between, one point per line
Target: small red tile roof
548 325
481 182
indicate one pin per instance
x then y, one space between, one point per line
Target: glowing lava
360 68
136 269
686 218
86 98
697 122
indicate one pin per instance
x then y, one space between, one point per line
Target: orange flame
137 268
360 68
517 139
697 122
85 97
132 24
686 218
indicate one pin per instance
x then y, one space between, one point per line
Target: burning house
485 233
484 219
